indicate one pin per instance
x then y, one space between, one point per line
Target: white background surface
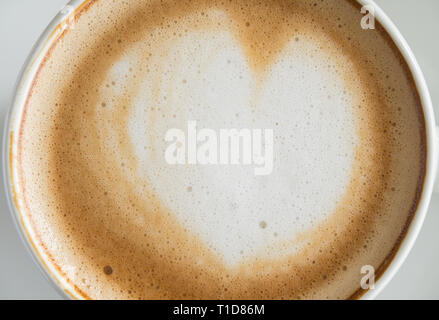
21 23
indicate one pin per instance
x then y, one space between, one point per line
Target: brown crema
105 233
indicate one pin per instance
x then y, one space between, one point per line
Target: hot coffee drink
112 218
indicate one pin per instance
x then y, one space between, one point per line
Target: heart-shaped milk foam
205 76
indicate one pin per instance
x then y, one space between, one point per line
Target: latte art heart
114 219
226 204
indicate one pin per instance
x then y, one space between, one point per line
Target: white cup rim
53 30
432 152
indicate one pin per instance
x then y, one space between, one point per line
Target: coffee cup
65 22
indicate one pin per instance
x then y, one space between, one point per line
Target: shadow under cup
101 230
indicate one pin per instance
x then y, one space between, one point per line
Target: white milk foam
204 76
